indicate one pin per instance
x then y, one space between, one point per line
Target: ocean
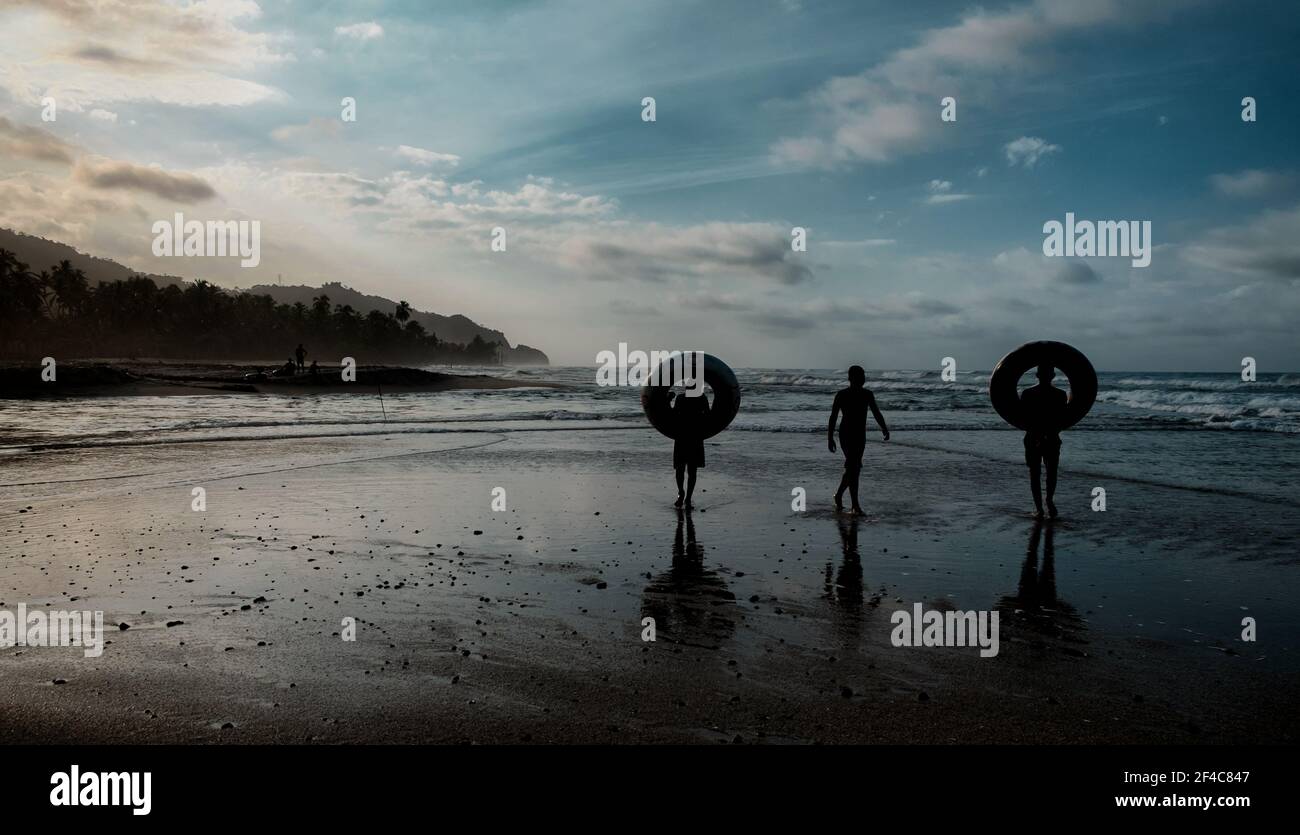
1205 431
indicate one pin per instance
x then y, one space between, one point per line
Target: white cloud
941 192
420 156
1028 150
103 115
1251 183
366 31
892 108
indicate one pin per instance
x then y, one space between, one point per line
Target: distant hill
41 254
455 328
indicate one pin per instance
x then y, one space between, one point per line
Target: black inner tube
1003 385
722 407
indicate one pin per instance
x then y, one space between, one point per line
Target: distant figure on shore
854 402
689 414
301 354
315 369
1043 404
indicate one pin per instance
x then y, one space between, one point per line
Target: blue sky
924 237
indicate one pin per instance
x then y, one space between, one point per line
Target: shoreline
88 378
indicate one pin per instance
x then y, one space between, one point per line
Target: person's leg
853 487
1035 486
1033 460
844 484
690 483
1052 457
681 494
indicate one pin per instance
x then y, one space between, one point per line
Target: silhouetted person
1043 405
288 369
301 354
854 402
689 414
315 369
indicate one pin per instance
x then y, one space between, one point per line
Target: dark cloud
1077 272
115 174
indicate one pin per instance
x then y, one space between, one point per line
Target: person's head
857 376
1045 373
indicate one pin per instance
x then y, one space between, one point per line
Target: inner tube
1003 385
722 408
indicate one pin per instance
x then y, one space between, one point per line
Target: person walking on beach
1043 404
689 414
301 354
854 402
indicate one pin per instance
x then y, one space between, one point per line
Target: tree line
58 313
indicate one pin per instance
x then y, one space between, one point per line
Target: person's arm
875 413
830 427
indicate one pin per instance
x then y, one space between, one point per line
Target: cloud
107 55
32 143
892 108
104 173
1028 150
317 128
103 115
941 192
804 317
59 208
404 203
1251 183
367 31
187 54
1077 272
1268 245
655 252
420 156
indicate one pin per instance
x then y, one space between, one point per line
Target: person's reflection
844 587
1035 595
690 603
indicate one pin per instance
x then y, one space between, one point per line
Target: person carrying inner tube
689 413
1043 405
854 402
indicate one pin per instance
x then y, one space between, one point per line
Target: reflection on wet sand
691 604
1035 601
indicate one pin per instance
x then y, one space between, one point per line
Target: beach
772 624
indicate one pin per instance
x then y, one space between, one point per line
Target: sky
924 235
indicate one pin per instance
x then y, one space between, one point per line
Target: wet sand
525 625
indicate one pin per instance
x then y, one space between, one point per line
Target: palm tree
20 296
68 290
403 311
